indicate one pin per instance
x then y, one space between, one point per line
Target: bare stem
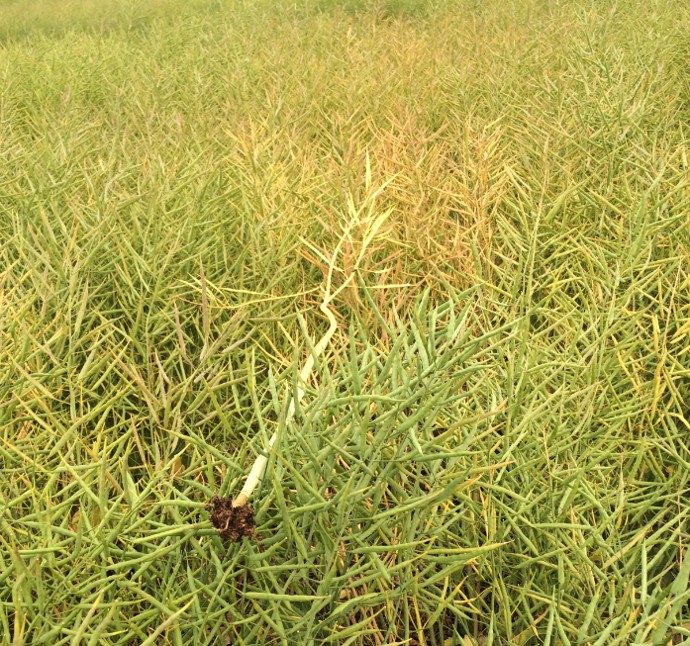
259 465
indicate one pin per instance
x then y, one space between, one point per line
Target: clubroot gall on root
232 522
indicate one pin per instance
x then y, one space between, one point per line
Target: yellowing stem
259 466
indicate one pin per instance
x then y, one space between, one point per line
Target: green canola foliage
492 447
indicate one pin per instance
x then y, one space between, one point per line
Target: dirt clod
232 523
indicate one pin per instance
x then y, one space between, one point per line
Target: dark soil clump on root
231 523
